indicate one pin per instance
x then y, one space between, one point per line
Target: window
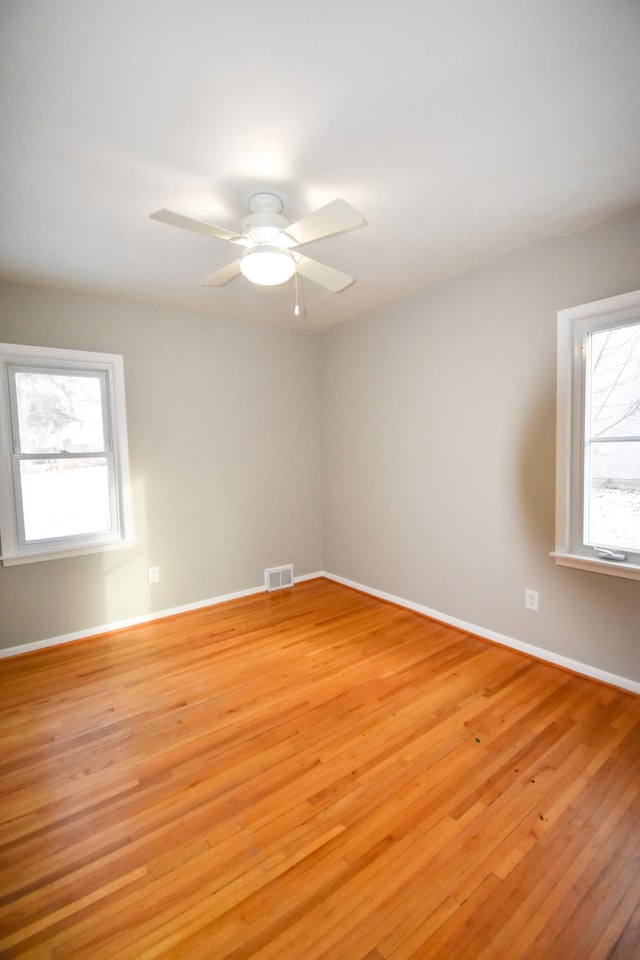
598 439
63 453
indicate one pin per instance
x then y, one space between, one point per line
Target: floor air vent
278 577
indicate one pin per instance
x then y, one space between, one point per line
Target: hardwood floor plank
620 938
313 773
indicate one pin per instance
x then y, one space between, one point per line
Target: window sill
612 568
10 560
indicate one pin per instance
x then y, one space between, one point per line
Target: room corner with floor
314 772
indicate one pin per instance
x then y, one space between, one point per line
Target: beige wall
223 444
438 450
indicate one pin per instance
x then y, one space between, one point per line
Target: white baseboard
145 618
538 653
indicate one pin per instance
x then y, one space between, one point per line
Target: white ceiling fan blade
222 276
335 217
196 226
324 276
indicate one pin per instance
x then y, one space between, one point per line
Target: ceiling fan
270 256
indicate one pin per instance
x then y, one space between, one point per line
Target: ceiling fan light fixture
267 265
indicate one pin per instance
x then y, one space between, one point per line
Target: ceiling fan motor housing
265 222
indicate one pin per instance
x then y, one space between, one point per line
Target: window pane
65 498
613 495
615 382
59 412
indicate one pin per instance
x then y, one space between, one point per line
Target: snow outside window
63 453
598 437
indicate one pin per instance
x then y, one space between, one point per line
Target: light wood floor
314 774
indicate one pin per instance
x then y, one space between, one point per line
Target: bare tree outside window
59 412
612 441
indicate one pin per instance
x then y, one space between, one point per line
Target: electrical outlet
531 599
154 574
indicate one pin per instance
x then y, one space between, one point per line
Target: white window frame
574 325
110 368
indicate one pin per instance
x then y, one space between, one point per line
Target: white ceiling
463 131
